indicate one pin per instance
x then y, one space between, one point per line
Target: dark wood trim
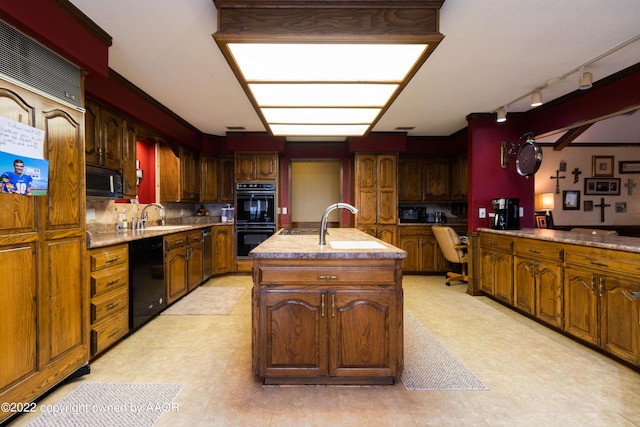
568 137
85 21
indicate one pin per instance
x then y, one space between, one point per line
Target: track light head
586 80
501 115
536 98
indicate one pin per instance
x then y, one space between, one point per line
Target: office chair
453 250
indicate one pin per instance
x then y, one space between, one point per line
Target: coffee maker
507 214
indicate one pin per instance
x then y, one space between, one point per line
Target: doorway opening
314 185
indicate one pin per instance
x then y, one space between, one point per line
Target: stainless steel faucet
323 227
144 217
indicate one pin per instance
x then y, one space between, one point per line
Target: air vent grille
26 61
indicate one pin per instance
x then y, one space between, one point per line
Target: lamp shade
544 201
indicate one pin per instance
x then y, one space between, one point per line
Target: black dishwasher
147 296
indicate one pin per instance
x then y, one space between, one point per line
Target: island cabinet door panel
620 317
363 331
18 313
524 284
549 292
294 339
504 277
581 304
366 201
487 271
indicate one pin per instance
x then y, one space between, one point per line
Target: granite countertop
620 243
108 238
306 246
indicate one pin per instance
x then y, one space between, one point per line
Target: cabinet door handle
322 304
601 286
112 305
333 305
114 259
116 332
593 283
534 251
598 263
328 277
112 282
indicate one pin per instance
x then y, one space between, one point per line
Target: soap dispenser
125 224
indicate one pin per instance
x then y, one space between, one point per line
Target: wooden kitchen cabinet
424 179
330 322
110 142
182 263
179 180
104 137
386 233
109 285
602 300
216 179
538 276
194 259
129 169
223 261
175 266
423 253
496 266
376 192
42 248
256 166
459 178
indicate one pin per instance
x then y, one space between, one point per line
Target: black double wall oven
255 215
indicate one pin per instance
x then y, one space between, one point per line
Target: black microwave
410 214
103 183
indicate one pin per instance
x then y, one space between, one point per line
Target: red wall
146 154
487 179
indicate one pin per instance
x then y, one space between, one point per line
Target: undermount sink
165 227
356 244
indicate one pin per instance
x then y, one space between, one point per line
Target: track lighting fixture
586 80
501 114
536 98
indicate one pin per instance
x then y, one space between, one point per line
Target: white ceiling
494 52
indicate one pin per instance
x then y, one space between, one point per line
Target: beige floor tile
535 375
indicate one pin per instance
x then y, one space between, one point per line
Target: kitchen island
327 314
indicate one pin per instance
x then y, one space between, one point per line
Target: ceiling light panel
322 95
320 115
319 130
273 62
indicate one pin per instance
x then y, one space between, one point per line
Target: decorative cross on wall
602 205
576 174
630 184
557 178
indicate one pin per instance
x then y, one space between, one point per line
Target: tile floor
536 376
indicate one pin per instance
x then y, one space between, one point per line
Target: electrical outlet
284 210
521 211
482 213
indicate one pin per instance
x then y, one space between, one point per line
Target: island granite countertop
620 243
347 243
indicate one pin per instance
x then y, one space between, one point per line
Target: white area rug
109 405
428 365
206 300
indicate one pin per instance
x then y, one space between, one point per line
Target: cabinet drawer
538 249
175 241
611 261
282 275
109 279
108 257
494 241
109 303
416 231
109 331
194 236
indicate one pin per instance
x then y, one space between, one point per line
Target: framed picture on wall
602 186
602 166
588 205
570 200
629 166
